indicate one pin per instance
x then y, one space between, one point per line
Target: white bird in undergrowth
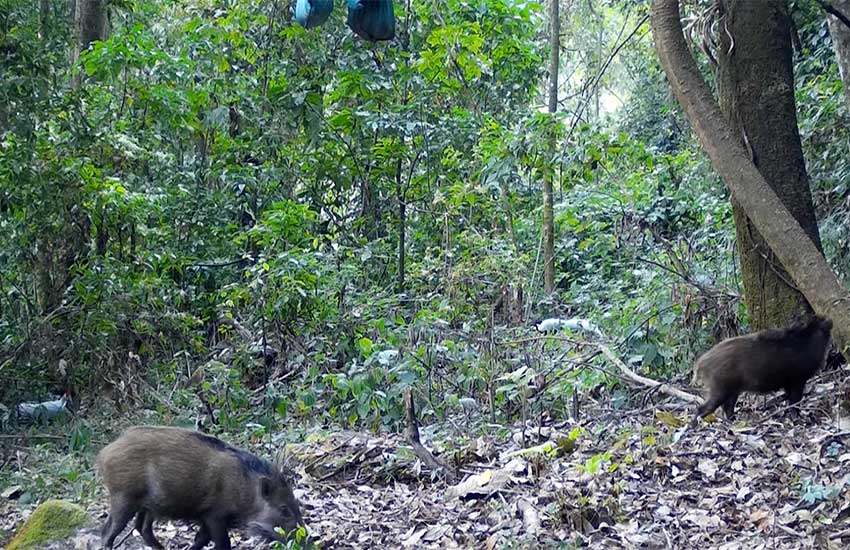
556 324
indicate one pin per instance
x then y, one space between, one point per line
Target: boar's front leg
202 538
794 393
217 529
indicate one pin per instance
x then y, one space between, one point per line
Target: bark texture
756 90
795 250
840 34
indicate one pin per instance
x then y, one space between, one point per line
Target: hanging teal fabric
372 19
310 13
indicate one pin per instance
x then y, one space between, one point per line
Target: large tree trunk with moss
756 89
548 199
793 247
840 34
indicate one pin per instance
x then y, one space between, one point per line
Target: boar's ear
266 487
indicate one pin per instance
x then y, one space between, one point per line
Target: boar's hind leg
202 537
714 400
121 511
106 527
144 525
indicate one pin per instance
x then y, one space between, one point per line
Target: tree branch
832 10
635 377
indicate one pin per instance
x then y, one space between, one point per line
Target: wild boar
762 362
158 472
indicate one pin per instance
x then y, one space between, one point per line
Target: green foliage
297 541
225 182
823 114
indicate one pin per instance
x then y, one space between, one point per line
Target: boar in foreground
158 472
762 362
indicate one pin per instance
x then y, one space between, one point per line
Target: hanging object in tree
372 20
311 13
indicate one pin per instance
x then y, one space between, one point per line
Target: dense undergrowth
209 227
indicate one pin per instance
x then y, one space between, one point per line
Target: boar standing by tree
762 362
158 472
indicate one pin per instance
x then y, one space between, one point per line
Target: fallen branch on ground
634 377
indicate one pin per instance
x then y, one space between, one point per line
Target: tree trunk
792 245
756 90
402 224
90 24
43 18
369 207
509 213
840 34
548 209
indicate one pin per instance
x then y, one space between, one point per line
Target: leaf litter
634 479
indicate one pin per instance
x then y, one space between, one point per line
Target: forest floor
624 479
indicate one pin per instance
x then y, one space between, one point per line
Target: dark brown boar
158 472
762 362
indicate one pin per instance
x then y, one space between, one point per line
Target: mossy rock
53 520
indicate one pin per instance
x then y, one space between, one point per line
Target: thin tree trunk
756 91
786 237
368 203
90 24
402 224
840 34
43 17
548 208
509 213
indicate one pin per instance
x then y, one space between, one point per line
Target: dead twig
357 458
34 436
418 448
530 517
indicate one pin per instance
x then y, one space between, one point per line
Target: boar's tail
695 377
98 463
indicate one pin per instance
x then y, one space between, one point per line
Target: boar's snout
285 519
280 508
